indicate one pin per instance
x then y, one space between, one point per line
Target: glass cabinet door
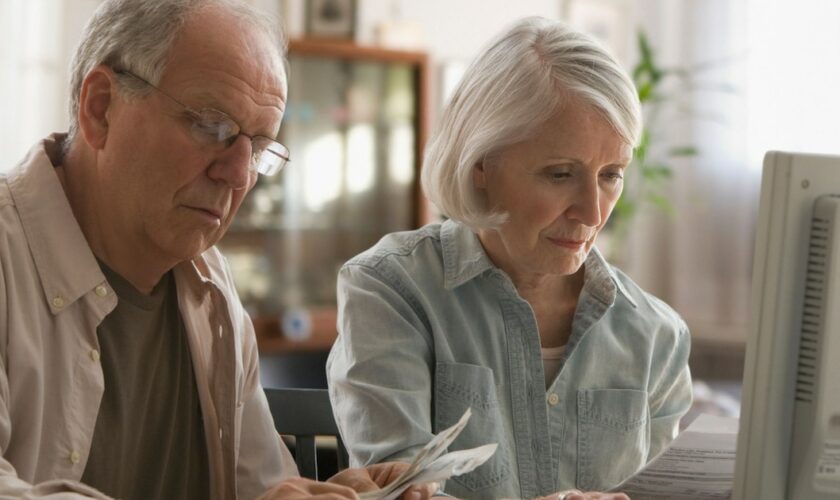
352 129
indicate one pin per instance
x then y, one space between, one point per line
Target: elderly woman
508 308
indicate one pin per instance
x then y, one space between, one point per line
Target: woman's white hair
136 35
517 83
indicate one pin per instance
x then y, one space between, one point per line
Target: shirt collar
66 265
464 258
601 281
203 271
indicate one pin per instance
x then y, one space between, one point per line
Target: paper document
431 465
699 464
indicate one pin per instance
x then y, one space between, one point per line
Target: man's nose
233 165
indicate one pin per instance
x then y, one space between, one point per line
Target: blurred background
722 81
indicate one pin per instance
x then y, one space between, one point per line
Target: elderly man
129 367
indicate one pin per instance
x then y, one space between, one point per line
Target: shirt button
220 433
221 330
94 355
58 302
101 291
75 457
553 399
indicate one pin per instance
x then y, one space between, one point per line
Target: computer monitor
789 434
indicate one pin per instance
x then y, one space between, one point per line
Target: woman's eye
559 175
613 176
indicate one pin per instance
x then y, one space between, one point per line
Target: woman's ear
95 98
479 175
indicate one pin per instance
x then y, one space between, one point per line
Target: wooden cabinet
355 126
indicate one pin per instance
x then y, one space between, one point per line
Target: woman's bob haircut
517 83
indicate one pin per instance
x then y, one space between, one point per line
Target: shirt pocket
613 436
458 386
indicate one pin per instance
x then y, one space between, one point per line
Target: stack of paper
699 464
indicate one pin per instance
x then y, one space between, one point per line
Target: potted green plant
649 171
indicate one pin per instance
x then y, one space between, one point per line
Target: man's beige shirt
53 296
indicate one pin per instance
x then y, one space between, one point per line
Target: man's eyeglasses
210 127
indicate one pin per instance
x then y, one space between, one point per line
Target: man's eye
214 129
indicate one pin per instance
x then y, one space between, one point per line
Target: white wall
452 32
38 48
37 39
452 29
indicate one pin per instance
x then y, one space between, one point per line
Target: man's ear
479 175
95 99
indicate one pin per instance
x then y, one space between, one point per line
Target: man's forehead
232 76
231 52
215 37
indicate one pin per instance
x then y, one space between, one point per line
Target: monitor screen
789 433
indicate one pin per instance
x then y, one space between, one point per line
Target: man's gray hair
519 81
136 35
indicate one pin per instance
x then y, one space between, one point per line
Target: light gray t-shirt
149 439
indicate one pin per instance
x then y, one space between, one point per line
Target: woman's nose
587 206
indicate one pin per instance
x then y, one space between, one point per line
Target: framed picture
331 19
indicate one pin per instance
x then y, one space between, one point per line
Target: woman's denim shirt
428 326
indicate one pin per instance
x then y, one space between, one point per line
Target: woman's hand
298 488
384 473
348 483
374 477
580 495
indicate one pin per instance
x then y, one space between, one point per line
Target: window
792 76
33 69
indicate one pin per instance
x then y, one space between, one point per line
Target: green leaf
640 152
645 92
624 209
646 72
661 203
654 172
644 46
684 151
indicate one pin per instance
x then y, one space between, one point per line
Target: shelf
332 49
351 182
270 336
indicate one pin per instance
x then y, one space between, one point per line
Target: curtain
37 42
780 59
32 75
699 259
